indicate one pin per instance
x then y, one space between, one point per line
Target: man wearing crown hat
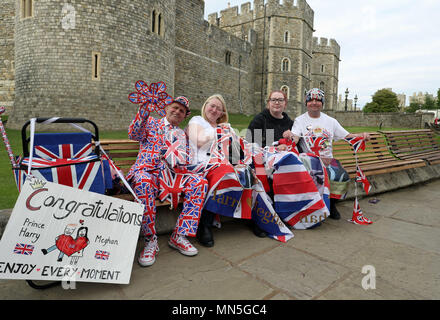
144 176
316 123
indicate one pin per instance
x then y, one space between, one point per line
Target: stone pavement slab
402 245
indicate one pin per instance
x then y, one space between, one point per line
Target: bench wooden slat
376 158
413 144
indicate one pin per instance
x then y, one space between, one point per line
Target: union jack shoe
148 256
181 244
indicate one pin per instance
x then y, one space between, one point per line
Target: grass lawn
8 190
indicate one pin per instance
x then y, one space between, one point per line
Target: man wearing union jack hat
315 123
145 177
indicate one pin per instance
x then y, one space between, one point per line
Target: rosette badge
151 98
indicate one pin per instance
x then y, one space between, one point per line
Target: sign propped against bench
60 233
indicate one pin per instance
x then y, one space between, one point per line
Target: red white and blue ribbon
6 140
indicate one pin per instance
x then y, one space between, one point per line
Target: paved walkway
403 246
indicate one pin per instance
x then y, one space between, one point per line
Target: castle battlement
324 45
248 12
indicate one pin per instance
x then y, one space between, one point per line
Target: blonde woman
231 183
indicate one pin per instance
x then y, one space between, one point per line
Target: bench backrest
376 151
407 142
123 152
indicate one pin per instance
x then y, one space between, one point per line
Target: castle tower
7 73
325 68
286 56
82 59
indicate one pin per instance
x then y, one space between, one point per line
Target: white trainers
148 255
180 243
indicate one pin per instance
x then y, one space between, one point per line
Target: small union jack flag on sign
25 249
102 255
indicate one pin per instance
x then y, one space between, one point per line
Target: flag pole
6 141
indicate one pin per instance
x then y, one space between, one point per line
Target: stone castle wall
54 59
201 67
385 120
7 58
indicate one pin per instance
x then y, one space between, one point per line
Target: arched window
285 65
286 37
286 91
307 70
322 85
322 68
228 57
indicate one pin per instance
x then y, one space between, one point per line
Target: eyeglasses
277 100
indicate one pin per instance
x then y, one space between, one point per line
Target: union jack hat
184 102
315 93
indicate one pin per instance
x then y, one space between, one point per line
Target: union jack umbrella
24 249
151 98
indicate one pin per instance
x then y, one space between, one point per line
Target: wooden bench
124 154
414 144
376 158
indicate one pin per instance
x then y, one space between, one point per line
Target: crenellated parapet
326 46
249 12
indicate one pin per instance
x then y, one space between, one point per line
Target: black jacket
264 121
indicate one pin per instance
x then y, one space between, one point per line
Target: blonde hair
224 118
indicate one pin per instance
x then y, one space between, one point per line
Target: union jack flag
301 194
25 249
102 255
358 217
357 143
177 149
360 177
74 145
264 215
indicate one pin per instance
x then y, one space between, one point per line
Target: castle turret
83 58
325 69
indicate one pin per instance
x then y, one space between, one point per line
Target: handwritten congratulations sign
60 233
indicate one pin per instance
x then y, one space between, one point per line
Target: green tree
384 100
429 103
438 98
413 107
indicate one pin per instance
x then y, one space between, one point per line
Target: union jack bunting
102 255
358 217
24 249
301 194
357 143
360 177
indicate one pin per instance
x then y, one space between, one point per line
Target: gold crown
37 184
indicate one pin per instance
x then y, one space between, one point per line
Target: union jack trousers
147 173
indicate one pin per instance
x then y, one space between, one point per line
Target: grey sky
384 43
